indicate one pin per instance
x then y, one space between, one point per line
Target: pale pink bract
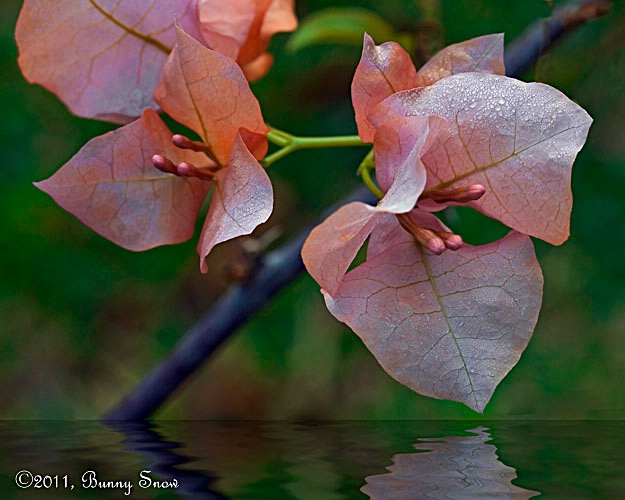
452 325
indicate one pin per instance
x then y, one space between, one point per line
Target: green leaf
343 26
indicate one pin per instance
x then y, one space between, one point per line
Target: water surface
317 461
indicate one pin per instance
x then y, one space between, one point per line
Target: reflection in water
322 461
163 459
453 467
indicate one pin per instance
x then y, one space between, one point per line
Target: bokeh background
81 320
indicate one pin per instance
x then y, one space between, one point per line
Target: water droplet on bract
422 296
501 101
472 105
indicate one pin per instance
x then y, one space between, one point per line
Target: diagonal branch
541 36
240 302
280 267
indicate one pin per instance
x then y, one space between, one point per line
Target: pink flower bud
164 164
184 169
188 170
184 142
426 237
451 240
458 195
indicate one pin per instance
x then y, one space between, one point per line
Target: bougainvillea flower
112 184
104 58
449 324
387 68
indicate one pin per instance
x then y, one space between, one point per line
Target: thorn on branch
248 255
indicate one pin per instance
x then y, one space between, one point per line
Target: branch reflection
164 460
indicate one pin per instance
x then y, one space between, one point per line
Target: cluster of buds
437 241
185 169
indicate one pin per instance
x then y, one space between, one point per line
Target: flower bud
452 241
435 241
184 142
424 236
458 195
430 240
164 164
188 170
183 169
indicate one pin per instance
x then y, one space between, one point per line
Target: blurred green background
81 320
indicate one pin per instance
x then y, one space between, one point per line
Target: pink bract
448 326
382 71
242 200
208 93
242 29
517 139
483 54
104 58
331 246
113 186
452 325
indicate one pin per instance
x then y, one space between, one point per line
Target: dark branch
240 302
280 267
544 34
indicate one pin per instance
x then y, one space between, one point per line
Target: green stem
289 143
364 170
278 137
